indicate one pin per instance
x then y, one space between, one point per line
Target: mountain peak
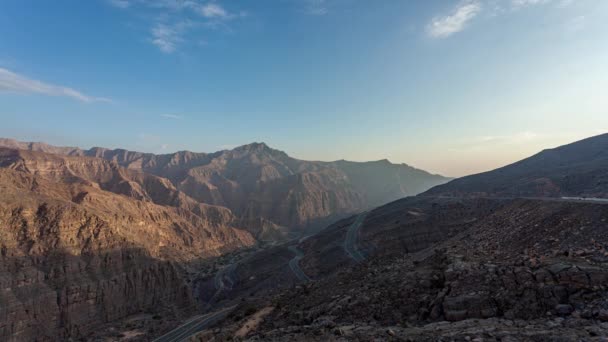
256 147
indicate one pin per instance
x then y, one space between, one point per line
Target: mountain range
266 189
92 236
111 244
488 257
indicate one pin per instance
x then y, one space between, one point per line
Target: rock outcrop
84 242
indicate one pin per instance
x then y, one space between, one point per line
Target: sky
453 87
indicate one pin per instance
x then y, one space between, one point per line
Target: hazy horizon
451 87
312 159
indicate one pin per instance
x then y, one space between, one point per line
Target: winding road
586 199
223 280
224 277
350 243
294 264
194 325
567 199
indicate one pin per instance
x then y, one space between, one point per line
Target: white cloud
177 20
210 10
445 26
515 138
171 116
213 10
166 37
12 82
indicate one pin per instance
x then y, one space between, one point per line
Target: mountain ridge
256 181
579 168
73 150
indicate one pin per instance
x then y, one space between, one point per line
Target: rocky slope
577 169
84 242
493 257
523 270
257 182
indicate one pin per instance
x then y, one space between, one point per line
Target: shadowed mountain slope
577 169
84 242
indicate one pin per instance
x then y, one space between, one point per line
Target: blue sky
454 87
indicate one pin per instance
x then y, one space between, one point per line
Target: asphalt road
546 199
194 325
350 243
585 199
224 279
294 264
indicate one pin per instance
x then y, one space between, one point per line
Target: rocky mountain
90 237
84 241
98 239
258 183
490 257
577 169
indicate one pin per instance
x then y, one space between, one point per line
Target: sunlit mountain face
307 170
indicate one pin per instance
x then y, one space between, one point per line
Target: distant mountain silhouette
261 184
577 169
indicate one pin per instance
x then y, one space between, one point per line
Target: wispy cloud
171 116
317 7
515 138
525 3
445 26
176 20
213 10
15 83
167 37
119 3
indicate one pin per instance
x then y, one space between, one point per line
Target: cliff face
84 241
257 182
52 297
